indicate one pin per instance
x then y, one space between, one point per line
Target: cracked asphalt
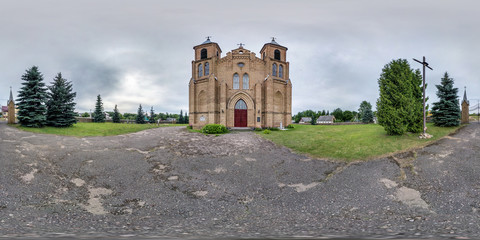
168 183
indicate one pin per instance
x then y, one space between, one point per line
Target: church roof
465 96
273 42
11 97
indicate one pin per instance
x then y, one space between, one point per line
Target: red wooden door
240 118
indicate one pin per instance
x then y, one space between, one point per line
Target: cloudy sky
140 52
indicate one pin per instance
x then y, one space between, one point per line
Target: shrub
214 129
258 129
290 126
266 131
273 129
189 127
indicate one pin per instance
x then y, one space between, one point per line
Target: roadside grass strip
96 129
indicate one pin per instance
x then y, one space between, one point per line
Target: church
240 89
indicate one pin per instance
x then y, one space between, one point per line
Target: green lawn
96 129
350 142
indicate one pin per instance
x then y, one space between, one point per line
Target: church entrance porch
240 114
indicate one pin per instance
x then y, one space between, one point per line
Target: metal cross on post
241 45
425 64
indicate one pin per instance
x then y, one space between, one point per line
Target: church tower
465 108
240 89
11 108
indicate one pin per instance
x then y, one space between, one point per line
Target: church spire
11 97
465 95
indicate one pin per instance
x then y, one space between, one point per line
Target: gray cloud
140 52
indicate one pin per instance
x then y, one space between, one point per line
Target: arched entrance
240 114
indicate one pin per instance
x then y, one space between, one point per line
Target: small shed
326 120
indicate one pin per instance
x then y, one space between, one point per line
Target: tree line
141 117
364 114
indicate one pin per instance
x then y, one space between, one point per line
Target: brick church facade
240 89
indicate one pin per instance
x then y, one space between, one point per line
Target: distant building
305 120
326 120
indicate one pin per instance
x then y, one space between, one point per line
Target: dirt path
169 182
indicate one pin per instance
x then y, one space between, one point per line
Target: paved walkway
170 182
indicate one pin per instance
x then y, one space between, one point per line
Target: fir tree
186 118
367 116
362 112
140 115
180 118
446 112
32 98
399 108
152 116
116 115
60 105
98 115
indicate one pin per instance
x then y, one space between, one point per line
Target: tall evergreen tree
140 115
362 111
31 99
180 118
60 105
399 108
446 112
152 116
98 115
116 115
186 118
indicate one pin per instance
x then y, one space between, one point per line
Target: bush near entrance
214 129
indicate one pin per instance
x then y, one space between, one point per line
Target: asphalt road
168 183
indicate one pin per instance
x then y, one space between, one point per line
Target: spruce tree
446 112
60 105
98 115
186 118
399 107
367 116
180 118
152 116
362 112
140 115
116 115
31 99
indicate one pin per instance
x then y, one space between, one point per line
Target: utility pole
425 64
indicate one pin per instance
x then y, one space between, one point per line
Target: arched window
245 81
264 54
203 53
280 71
277 54
236 81
207 69
274 70
200 70
241 104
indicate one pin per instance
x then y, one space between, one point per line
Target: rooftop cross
241 45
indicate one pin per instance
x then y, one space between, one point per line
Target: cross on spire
241 45
273 39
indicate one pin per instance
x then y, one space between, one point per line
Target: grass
351 142
96 129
